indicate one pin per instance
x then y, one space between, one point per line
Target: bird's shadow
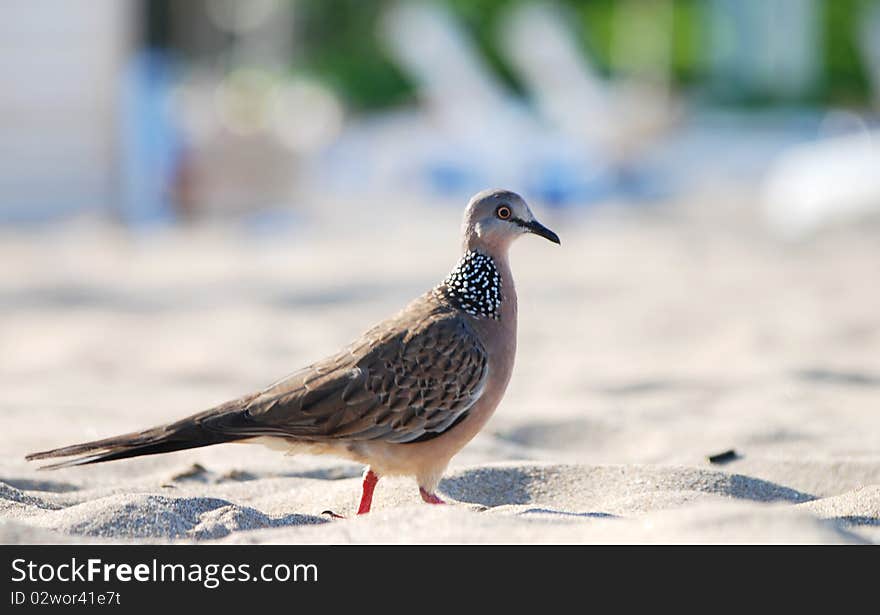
501 486
488 487
566 513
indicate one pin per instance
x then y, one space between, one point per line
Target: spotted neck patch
474 286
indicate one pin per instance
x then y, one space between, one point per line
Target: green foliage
594 26
338 42
845 79
689 61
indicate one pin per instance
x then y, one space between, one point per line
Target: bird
403 398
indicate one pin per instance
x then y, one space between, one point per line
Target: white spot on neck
474 285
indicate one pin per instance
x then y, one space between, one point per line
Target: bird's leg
370 480
430 498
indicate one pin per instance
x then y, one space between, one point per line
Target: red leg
370 480
430 498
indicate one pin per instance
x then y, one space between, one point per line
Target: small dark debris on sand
725 457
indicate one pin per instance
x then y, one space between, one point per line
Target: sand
648 341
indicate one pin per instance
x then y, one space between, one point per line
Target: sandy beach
647 343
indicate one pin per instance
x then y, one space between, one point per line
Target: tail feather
211 427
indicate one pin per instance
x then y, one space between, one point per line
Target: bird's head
494 218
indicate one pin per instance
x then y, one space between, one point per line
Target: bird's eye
503 212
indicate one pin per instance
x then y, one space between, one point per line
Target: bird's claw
430 498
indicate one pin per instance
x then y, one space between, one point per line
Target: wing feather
404 384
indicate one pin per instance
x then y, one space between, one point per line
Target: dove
403 398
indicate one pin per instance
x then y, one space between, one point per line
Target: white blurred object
474 133
823 183
566 88
60 66
307 115
449 73
242 101
571 95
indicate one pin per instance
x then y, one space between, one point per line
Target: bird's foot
370 480
430 498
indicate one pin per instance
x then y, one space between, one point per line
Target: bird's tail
213 426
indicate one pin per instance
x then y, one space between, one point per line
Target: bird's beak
539 229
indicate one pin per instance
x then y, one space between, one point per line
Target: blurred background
161 112
196 197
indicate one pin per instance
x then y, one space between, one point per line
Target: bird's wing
397 384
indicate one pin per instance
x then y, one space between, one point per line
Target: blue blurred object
274 221
450 177
562 182
151 143
643 184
